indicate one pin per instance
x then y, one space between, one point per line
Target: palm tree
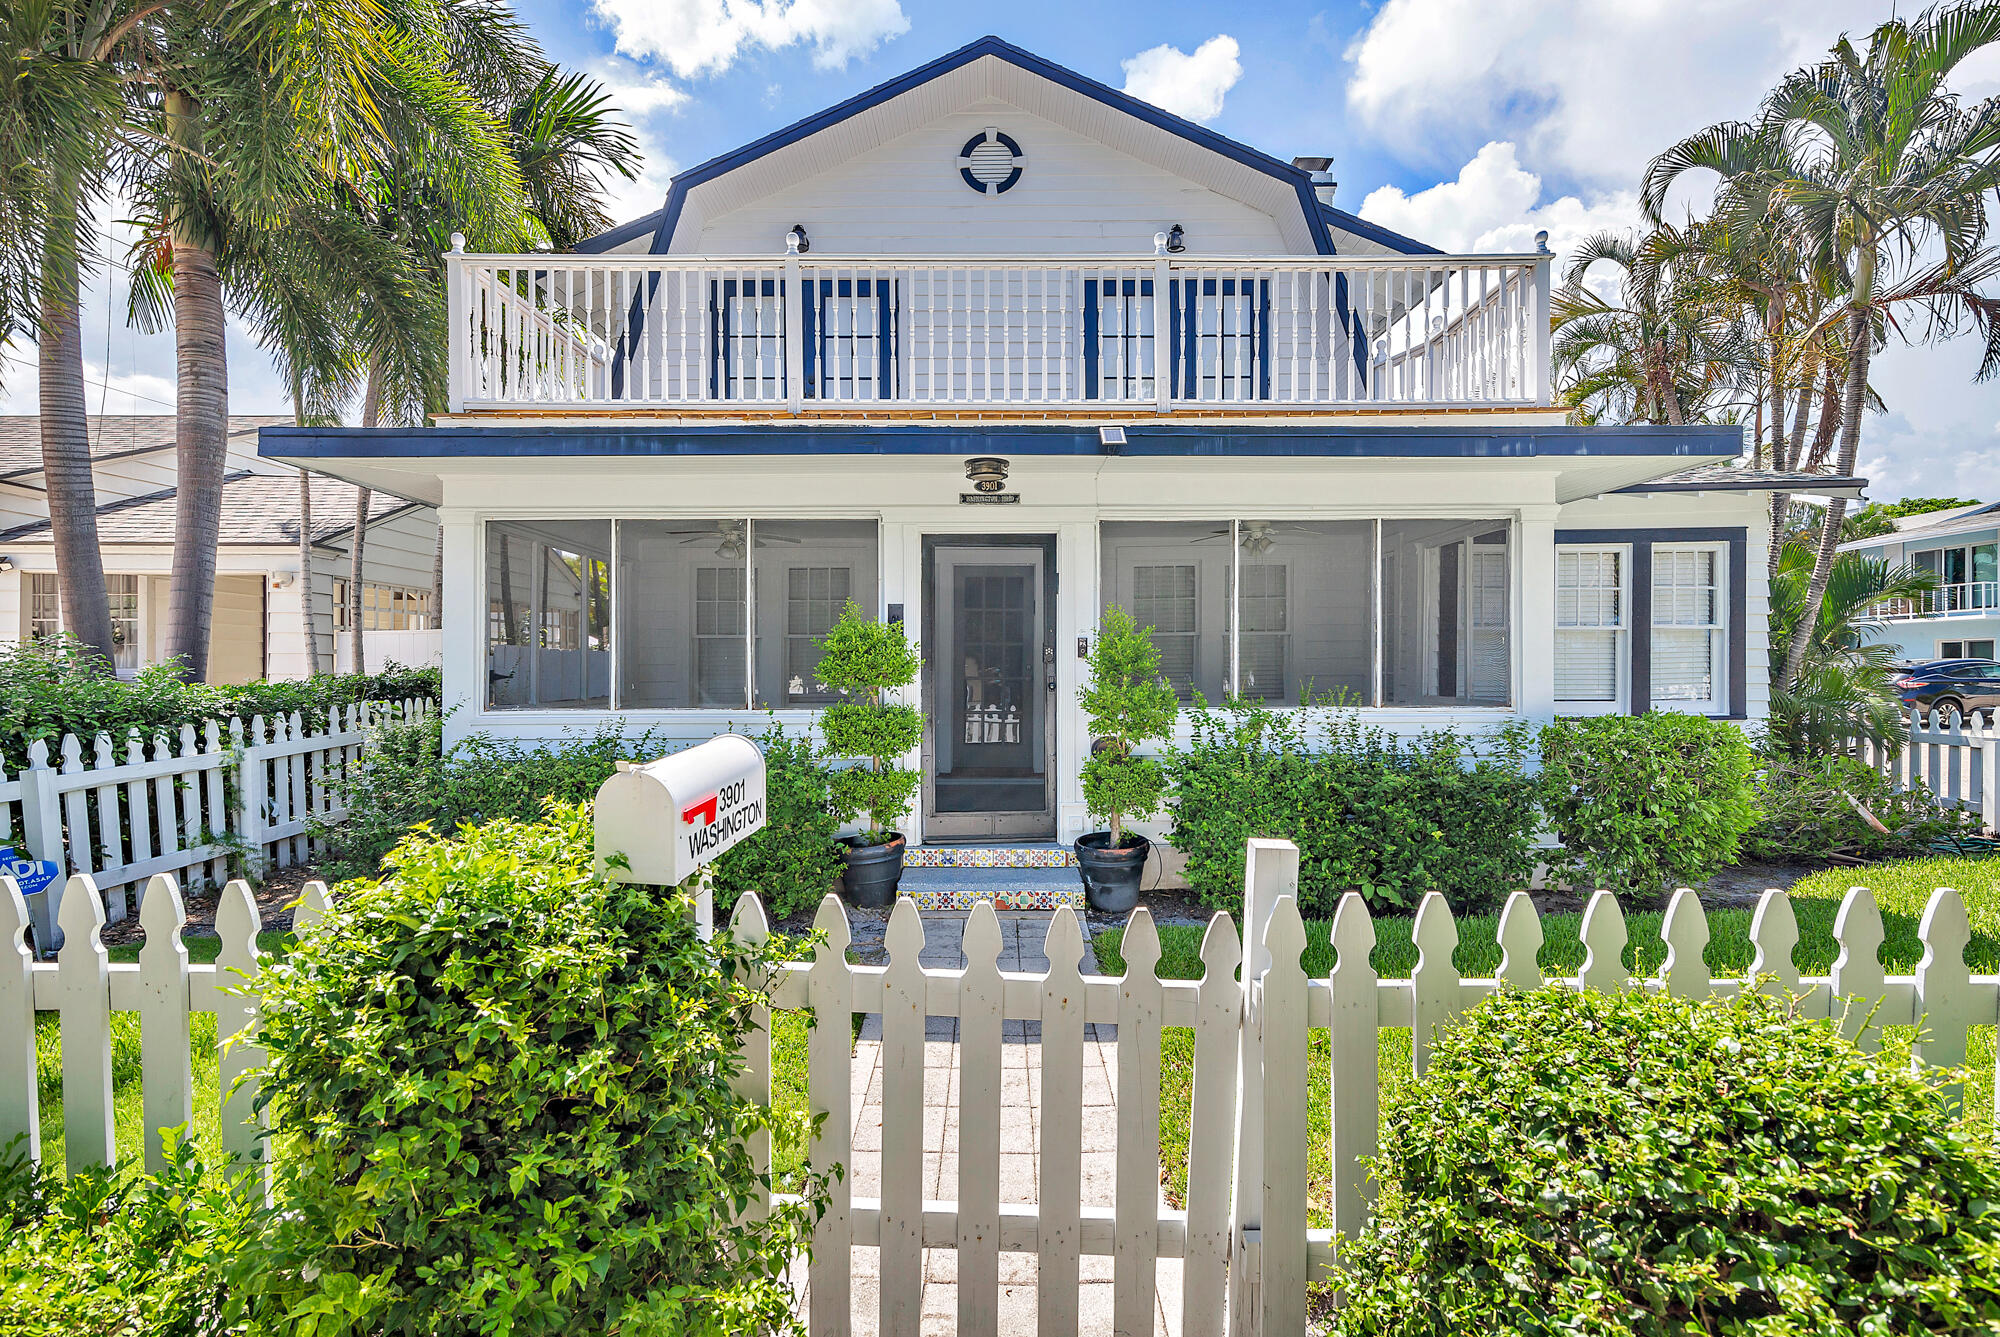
1842 690
59 111
1655 354
1879 173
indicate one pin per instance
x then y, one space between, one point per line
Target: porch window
44 606
721 613
1286 609
1590 626
806 571
548 591
1690 628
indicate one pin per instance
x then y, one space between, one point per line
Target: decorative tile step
935 897
989 856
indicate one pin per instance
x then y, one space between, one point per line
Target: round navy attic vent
991 163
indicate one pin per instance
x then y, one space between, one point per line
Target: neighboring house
1961 618
257 630
993 346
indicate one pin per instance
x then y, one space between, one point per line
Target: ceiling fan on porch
1255 538
730 536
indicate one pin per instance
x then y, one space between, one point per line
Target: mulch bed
274 900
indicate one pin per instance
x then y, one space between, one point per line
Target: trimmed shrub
1804 814
1128 704
1389 817
501 1085
863 660
1642 802
47 690
124 1253
1631 1163
408 777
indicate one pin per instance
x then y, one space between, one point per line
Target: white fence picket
20 1103
1282 1038
902 1230
1434 991
1774 930
1857 972
1604 940
752 1083
237 924
981 1003
1354 1058
1211 1131
1946 1005
167 1074
83 988
1058 1216
829 1054
1685 931
1135 1266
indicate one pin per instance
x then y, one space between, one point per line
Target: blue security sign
31 875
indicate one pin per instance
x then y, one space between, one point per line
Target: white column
1077 603
465 621
1535 613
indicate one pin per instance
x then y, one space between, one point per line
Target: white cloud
694 37
1590 90
1495 204
1186 85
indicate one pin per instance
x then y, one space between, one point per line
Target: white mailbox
672 816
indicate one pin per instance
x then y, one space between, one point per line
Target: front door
989 652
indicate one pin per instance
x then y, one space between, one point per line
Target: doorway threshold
1043 888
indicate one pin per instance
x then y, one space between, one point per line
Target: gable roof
1736 478
1315 219
258 511
114 436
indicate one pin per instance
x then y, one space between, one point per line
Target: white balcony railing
1973 597
800 333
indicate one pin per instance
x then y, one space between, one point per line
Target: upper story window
1968 576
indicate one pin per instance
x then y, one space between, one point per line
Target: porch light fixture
796 241
1176 240
6 564
986 473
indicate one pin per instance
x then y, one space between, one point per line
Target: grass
1901 891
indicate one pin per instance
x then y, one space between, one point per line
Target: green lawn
1901 891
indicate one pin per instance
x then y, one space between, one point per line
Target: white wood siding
1075 197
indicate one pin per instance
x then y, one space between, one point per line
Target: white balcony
1978 598
803 334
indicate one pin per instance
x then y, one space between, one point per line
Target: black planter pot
872 871
1111 877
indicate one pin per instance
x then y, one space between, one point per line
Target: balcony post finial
1542 243
1159 243
458 243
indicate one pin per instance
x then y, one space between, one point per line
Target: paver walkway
1022 937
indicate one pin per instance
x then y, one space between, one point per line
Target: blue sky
1471 124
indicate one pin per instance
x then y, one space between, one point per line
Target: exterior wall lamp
986 473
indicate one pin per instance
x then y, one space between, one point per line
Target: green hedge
1390 817
1630 1163
500 1089
47 691
409 777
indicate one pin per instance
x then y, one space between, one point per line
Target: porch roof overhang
414 463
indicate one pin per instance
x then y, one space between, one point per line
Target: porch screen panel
1305 611
548 614
1447 616
1171 577
806 572
683 610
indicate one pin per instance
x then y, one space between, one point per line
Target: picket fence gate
1246 1253
183 807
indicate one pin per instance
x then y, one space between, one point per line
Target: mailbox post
674 817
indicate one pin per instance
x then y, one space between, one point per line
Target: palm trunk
371 413
201 439
1852 398
66 471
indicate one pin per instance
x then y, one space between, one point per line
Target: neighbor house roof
1731 478
114 436
258 511
1935 525
1321 223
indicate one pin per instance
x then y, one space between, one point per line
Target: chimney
1321 172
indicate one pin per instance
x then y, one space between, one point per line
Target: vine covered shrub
1642 802
1371 812
501 1084
48 690
1804 813
408 776
1631 1163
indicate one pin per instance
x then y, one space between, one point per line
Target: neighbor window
1445 613
1965 649
1590 626
44 606
122 593
1690 628
384 607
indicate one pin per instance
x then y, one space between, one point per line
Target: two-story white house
993 346
1960 619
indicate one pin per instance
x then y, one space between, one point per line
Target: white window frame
1621 654
1717 702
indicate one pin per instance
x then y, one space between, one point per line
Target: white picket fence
1246 1253
182 806
1956 758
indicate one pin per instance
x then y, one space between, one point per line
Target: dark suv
1970 687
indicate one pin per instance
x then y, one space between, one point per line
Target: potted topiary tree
1128 704
863 659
